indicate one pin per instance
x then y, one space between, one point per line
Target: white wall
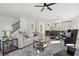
26 25
23 24
5 21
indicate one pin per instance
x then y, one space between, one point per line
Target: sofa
25 41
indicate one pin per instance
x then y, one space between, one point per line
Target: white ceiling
65 11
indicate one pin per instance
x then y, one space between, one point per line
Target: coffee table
48 47
39 45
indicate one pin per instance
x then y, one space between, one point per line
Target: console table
7 46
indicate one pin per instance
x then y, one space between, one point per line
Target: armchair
72 39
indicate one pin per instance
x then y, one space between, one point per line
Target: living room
26 29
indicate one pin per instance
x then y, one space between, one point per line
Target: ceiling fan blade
38 6
45 4
51 4
49 8
42 9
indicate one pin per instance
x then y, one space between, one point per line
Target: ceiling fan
45 5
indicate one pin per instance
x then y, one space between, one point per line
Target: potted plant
5 37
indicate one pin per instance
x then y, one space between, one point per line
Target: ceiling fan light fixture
45 5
